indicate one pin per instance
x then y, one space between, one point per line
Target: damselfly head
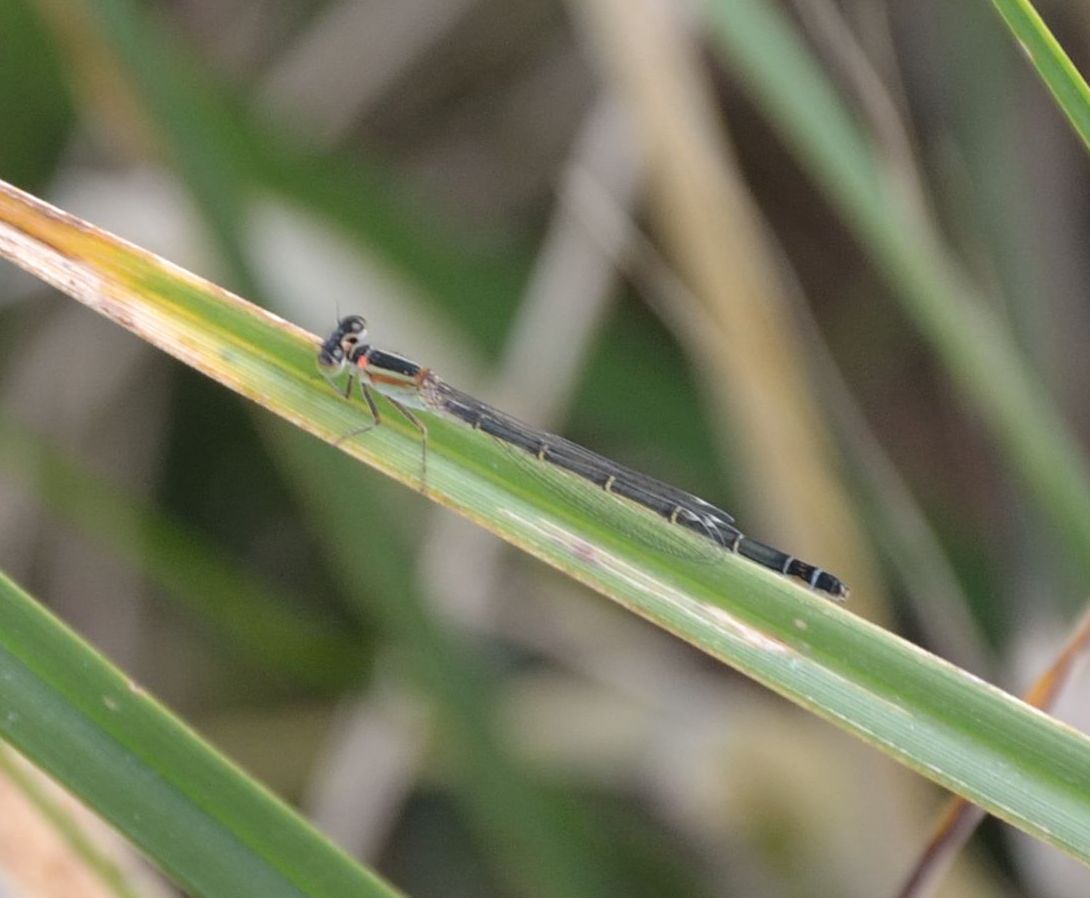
338 346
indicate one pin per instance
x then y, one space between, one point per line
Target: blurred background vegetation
593 214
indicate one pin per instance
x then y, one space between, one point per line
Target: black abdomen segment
675 505
777 560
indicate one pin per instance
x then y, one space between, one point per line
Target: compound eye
356 325
330 357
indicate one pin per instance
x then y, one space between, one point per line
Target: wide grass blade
942 722
213 829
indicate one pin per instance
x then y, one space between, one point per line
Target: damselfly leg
376 420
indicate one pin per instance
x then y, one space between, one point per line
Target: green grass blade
1052 63
987 746
204 822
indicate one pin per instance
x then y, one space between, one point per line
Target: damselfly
408 385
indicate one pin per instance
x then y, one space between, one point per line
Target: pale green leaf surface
942 722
